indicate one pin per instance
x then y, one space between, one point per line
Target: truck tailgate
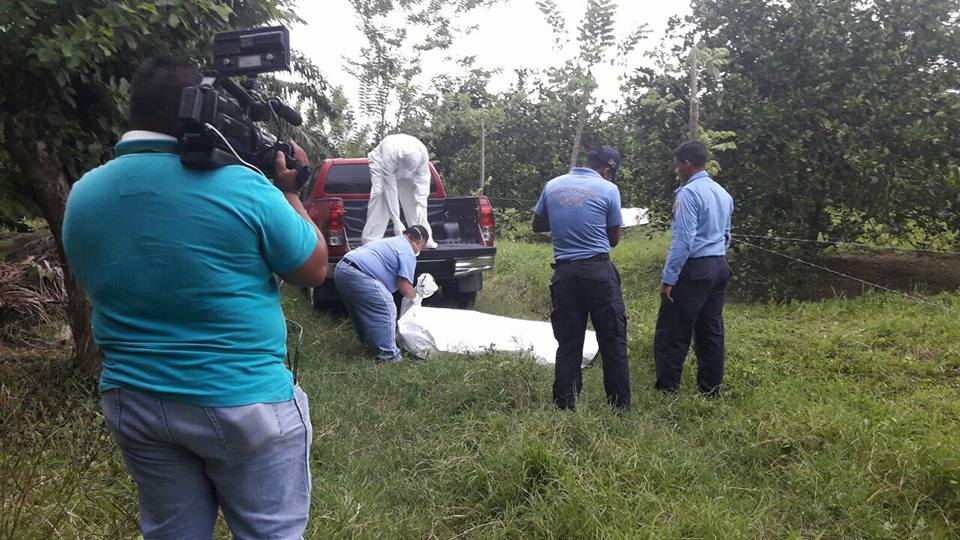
453 220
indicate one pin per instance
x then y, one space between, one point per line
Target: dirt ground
909 273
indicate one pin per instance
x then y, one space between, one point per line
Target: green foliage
449 122
15 205
556 20
529 128
510 222
844 112
56 457
389 66
595 32
826 120
67 65
841 420
654 122
63 96
595 37
77 59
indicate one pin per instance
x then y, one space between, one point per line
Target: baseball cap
607 155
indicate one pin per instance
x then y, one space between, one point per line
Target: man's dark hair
155 93
417 233
594 163
692 152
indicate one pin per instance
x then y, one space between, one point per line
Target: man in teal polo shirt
179 265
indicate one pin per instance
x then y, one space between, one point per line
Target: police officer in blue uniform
582 211
694 277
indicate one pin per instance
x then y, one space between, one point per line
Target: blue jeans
251 461
371 309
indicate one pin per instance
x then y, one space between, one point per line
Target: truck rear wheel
323 304
460 299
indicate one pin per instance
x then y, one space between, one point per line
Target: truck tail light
487 221
335 232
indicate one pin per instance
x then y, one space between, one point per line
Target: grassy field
841 419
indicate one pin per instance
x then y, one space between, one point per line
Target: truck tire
460 299
322 304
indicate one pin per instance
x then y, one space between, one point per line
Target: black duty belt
597 257
353 264
707 257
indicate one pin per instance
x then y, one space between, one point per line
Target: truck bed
464 251
453 220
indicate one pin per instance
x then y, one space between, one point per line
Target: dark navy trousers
579 289
697 311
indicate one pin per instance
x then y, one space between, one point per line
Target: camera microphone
288 113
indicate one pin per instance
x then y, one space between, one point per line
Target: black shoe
713 393
667 390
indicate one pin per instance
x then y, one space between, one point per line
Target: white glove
426 286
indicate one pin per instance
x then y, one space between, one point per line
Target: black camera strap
303 174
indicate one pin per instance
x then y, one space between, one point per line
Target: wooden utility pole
581 123
483 155
694 98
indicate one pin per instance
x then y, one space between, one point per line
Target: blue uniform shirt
387 260
701 224
580 206
179 266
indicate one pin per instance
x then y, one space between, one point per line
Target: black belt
597 257
353 264
707 257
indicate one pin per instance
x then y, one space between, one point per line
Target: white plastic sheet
634 216
425 330
399 175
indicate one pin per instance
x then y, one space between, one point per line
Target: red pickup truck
464 228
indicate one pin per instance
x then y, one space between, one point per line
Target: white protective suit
399 176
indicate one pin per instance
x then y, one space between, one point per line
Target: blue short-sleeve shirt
388 260
702 214
580 206
179 265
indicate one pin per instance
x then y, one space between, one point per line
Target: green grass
841 420
6 244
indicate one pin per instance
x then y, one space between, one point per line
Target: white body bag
426 330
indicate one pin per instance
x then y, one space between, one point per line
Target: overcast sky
510 35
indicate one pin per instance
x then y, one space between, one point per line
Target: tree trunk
483 156
49 187
581 123
815 218
694 126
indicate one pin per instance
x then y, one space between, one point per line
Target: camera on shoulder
218 117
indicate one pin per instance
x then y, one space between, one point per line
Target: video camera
217 117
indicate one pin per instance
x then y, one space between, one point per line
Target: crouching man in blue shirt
366 279
694 277
179 265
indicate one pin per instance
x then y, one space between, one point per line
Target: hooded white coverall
399 176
